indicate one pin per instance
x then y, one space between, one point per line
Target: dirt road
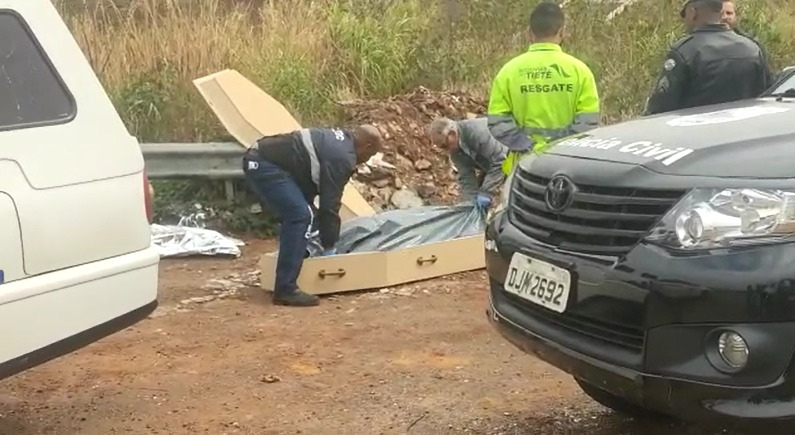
218 358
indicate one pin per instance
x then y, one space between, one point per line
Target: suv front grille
624 336
600 220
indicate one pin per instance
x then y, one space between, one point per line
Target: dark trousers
280 193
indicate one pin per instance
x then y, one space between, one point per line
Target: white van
76 262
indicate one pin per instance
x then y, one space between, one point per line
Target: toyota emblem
559 194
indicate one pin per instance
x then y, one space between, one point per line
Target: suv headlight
715 218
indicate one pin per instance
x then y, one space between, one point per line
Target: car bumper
668 368
691 401
54 314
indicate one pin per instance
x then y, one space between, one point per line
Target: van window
31 91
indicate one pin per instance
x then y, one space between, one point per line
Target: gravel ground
218 358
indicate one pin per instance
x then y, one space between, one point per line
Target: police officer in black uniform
711 65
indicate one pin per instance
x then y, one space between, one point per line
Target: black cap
714 3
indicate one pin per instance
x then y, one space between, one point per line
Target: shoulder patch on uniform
338 134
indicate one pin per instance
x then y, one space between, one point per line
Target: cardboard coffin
370 270
249 113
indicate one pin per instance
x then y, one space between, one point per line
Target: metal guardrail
207 161
217 160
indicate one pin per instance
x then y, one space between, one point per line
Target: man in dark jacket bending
472 147
287 172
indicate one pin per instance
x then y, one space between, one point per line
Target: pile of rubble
412 171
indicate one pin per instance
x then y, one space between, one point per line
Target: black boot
296 298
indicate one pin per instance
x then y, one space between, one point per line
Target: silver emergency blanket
397 229
189 237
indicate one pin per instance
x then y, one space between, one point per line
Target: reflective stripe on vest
511 160
314 163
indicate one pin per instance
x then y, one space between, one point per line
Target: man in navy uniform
287 172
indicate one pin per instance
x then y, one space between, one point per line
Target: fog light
733 349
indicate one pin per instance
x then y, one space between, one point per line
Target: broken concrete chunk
406 199
426 191
383 182
422 165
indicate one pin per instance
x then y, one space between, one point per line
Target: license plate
538 282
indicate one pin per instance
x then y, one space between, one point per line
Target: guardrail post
229 190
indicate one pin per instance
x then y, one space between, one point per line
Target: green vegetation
311 53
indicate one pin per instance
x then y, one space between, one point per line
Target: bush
310 54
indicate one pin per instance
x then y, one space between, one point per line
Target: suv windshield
785 87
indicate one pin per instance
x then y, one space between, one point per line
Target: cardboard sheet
249 113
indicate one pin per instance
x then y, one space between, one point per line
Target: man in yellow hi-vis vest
543 94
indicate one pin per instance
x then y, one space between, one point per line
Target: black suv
654 261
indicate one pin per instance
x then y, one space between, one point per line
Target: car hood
751 138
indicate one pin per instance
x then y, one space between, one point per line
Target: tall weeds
311 53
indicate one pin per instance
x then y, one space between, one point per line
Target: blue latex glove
328 252
483 201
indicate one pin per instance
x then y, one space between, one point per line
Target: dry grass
310 53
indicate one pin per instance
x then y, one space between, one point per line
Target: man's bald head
366 141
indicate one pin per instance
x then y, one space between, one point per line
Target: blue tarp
395 229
